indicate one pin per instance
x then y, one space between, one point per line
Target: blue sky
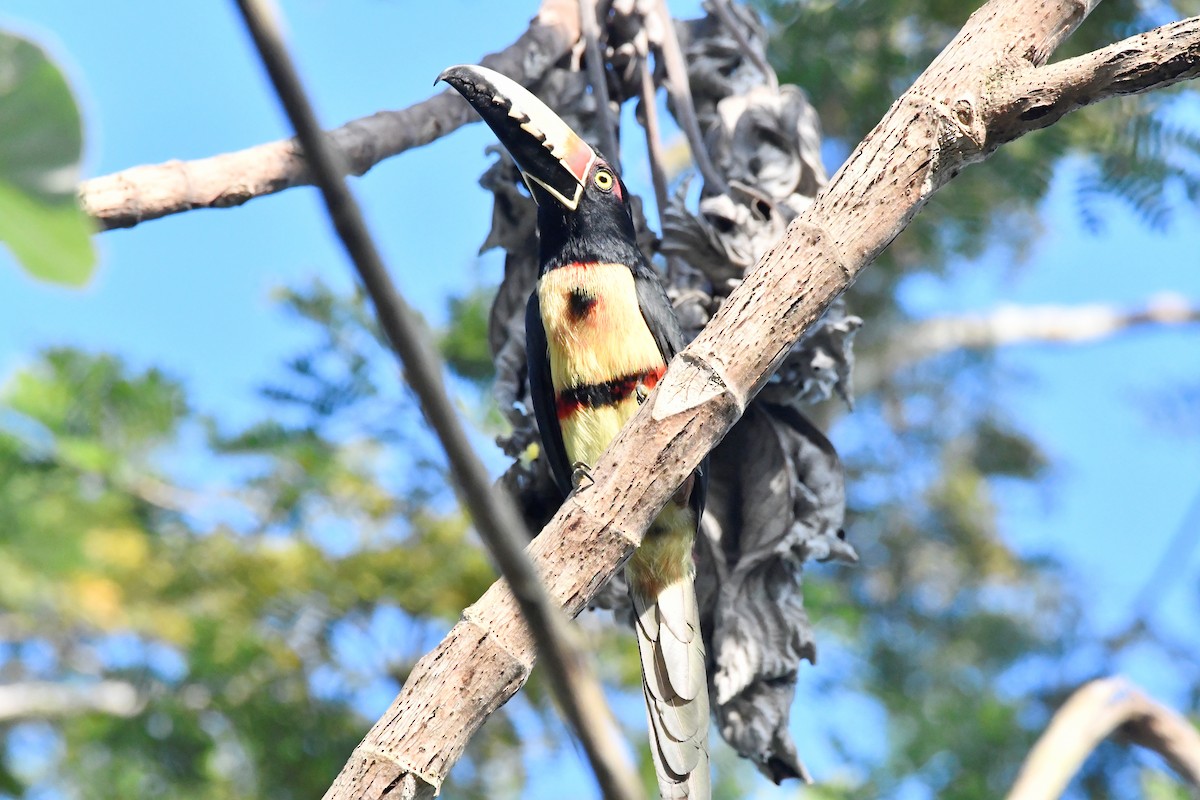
160 81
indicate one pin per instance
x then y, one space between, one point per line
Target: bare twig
654 148
728 17
680 91
493 513
45 700
124 199
941 124
1010 325
1088 717
1013 325
594 60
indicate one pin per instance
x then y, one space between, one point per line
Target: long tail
674 684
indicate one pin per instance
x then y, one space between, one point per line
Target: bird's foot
581 474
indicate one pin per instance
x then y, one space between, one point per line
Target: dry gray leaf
535 491
717 63
776 499
514 229
820 365
769 139
726 238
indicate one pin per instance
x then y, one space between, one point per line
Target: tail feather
676 690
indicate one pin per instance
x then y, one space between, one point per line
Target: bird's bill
550 155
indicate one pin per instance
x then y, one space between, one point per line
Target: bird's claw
581 472
641 393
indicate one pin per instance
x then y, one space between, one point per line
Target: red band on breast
609 393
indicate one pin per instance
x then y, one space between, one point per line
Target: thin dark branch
653 138
1172 564
593 56
494 515
680 90
728 17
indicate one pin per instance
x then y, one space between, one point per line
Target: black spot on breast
579 303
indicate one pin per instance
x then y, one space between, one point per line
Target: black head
599 228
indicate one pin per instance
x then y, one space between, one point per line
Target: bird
599 332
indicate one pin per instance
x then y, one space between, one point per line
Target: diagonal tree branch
493 513
1092 714
124 199
947 120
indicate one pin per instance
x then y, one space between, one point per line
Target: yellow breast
595 334
594 326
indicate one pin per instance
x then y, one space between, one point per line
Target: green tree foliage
227 608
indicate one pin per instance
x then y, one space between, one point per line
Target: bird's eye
604 180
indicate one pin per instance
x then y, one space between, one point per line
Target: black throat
597 231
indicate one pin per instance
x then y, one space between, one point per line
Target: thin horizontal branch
1019 324
124 199
1142 63
1088 717
46 700
1013 325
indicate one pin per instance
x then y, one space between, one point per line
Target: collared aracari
599 332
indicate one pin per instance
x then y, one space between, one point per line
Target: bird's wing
657 311
664 326
541 390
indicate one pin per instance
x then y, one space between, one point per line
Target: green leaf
41 144
52 241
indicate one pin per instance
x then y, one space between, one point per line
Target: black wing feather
541 390
658 312
664 327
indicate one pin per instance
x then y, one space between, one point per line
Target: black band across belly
596 395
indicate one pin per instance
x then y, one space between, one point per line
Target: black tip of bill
453 75
551 156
